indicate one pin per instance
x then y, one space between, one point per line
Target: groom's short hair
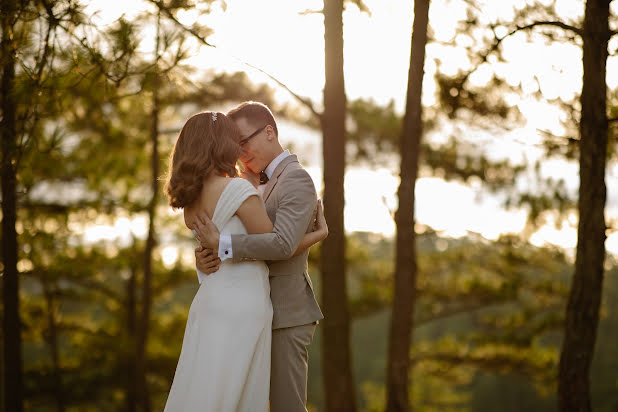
255 113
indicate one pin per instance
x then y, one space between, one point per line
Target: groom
290 199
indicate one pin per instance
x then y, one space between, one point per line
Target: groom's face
254 153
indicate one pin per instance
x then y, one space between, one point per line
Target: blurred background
448 158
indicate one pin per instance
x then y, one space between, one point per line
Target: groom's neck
275 153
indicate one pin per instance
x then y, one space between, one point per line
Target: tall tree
582 312
400 338
593 34
143 398
29 46
11 327
131 331
336 363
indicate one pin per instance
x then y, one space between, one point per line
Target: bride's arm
320 232
253 215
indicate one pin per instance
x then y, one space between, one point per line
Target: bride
224 363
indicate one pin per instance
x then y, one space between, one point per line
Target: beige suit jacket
291 201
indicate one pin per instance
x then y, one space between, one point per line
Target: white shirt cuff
225 247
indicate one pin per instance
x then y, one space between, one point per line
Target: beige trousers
288 373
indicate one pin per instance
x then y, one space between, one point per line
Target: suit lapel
278 170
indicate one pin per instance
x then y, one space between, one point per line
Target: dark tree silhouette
398 363
11 326
336 363
582 312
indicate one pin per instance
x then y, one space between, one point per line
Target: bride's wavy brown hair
204 145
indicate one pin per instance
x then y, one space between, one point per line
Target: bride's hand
318 233
320 225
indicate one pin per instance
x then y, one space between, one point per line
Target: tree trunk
336 364
143 395
132 339
51 337
582 313
11 326
400 339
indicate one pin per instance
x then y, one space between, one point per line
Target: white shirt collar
270 169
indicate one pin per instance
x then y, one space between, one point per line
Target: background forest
466 152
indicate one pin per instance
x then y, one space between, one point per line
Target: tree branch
517 29
51 23
309 12
560 24
452 312
94 286
498 363
303 100
36 74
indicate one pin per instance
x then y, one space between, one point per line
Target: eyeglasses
251 136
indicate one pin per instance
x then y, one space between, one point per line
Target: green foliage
486 101
374 137
489 318
484 306
375 129
462 161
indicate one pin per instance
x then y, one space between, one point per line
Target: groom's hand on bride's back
206 260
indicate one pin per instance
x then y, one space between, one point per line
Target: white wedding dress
224 363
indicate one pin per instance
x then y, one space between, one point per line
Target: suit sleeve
297 201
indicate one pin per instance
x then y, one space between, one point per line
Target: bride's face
254 148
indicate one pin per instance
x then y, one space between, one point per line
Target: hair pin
214 116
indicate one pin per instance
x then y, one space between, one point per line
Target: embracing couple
255 312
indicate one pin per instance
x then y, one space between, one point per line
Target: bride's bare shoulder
211 192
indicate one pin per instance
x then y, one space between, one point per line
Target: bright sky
274 36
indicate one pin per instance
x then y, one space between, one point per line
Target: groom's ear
270 132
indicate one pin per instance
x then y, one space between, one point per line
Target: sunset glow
275 36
